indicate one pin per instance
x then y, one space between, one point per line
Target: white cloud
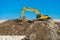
1 21
56 20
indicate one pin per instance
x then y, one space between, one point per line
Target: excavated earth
14 27
34 30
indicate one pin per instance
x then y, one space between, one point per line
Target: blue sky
11 9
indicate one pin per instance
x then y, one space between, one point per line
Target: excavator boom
29 9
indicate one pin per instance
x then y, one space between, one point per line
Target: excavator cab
38 15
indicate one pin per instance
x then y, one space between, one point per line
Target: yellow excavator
38 15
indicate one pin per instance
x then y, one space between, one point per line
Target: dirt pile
40 30
14 27
34 30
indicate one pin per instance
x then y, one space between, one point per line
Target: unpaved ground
33 31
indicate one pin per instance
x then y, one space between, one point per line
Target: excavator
38 15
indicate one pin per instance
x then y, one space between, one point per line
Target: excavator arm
22 11
29 9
